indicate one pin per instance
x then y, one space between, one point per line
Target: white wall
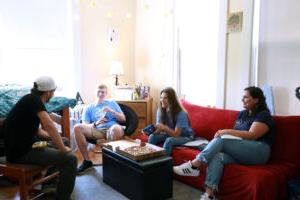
144 59
279 52
97 52
153 64
238 56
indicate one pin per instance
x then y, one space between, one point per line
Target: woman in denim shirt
172 122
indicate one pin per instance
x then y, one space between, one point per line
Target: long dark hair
174 105
257 93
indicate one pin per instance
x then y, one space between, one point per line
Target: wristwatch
94 124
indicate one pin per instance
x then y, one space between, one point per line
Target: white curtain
198 43
170 50
37 39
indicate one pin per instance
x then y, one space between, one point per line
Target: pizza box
135 150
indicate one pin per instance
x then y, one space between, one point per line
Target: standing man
99 121
22 129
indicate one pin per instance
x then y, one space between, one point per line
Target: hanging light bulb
147 7
109 14
128 15
168 13
92 4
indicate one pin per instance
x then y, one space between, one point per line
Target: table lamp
116 69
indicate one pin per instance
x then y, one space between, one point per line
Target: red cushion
287 140
206 121
242 182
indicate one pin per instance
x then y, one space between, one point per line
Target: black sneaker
84 166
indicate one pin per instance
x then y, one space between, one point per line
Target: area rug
91 186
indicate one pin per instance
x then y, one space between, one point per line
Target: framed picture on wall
235 22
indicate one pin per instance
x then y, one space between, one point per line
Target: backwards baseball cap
45 83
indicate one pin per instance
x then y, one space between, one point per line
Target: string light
147 7
168 13
109 14
128 15
92 4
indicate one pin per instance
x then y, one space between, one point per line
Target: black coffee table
150 179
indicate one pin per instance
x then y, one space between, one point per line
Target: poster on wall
113 35
235 22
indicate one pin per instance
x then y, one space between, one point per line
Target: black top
244 122
21 126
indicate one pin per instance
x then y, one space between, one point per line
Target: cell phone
149 129
102 115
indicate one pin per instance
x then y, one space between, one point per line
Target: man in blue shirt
99 121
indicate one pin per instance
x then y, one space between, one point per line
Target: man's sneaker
84 166
186 169
206 197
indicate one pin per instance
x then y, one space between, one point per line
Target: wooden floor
9 191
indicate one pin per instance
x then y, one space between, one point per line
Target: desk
143 109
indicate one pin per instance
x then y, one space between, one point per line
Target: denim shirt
181 121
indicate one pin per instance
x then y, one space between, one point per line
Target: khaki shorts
99 133
102 133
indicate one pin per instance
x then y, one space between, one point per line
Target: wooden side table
143 109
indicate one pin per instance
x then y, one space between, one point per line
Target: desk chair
28 176
130 124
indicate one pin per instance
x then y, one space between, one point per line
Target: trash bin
294 189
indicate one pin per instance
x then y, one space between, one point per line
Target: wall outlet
113 35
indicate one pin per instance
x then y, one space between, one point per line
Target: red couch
261 182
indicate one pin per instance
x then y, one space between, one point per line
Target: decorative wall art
235 22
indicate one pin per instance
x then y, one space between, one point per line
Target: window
198 25
37 38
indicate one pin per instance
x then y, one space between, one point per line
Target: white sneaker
206 197
186 169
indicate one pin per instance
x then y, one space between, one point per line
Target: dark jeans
168 142
66 163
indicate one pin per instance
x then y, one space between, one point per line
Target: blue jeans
169 142
228 151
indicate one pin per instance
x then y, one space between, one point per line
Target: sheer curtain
37 38
198 46
169 44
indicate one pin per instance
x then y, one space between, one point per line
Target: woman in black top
253 136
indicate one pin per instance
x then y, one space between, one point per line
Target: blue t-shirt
181 121
244 122
94 112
